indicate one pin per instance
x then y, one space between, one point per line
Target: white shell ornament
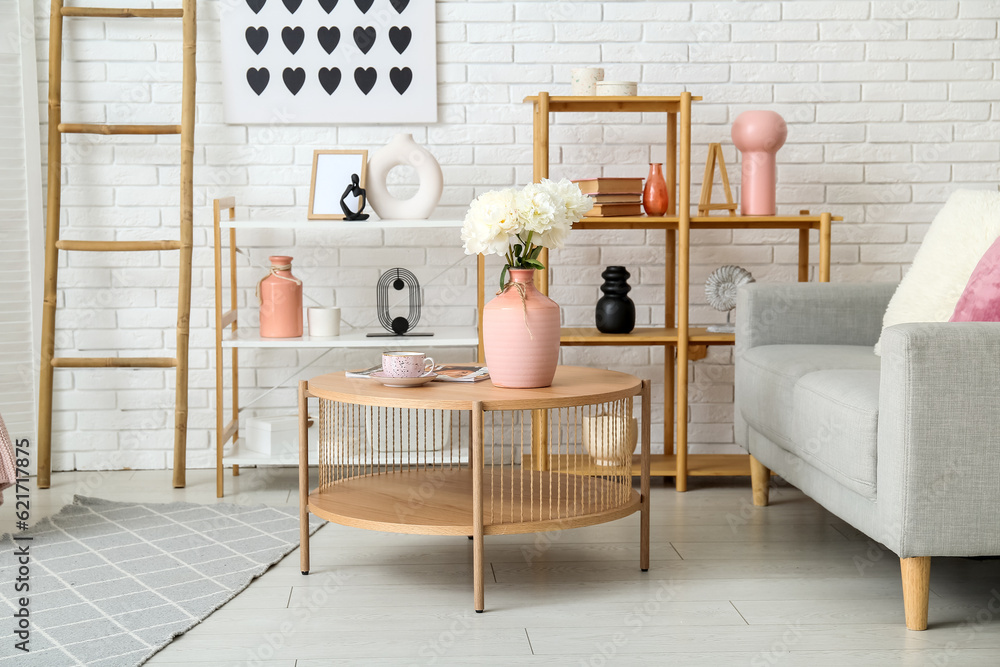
720 290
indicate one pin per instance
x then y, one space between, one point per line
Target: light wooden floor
728 585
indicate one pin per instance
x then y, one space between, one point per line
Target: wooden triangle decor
705 205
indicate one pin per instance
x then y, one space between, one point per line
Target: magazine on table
445 372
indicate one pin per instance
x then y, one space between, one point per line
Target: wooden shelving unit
683 342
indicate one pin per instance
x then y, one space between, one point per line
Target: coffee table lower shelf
438 501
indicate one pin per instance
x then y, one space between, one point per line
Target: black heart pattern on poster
401 78
327 5
364 38
329 79
292 5
365 78
294 78
328 38
293 38
400 38
399 5
256 38
256 5
365 5
258 78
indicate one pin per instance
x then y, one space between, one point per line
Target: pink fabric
980 302
8 473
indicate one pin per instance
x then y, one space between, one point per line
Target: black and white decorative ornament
389 284
720 291
329 61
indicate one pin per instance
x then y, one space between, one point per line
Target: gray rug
112 583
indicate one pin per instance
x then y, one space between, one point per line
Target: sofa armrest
938 473
810 313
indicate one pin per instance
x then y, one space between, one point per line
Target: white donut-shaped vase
403 150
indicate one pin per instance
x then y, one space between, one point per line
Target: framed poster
331 174
329 61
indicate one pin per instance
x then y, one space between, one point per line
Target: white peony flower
490 223
546 211
555 237
536 208
573 203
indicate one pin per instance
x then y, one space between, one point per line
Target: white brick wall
890 105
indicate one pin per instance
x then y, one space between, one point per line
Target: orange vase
655 198
521 338
280 300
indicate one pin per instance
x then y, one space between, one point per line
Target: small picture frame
331 173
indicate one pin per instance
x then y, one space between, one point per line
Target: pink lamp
758 135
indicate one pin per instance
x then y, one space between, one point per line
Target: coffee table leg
303 478
644 481
478 584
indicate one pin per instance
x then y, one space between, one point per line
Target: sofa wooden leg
760 481
916 590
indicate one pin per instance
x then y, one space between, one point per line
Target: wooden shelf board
398 502
661 465
612 103
704 222
628 222
443 337
642 336
340 225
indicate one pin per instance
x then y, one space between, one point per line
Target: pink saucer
380 376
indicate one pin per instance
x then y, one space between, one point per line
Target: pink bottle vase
280 295
759 135
655 197
516 358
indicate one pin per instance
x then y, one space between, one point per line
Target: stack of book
613 196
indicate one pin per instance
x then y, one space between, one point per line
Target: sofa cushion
835 425
819 402
980 302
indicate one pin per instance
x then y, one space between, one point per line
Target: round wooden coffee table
452 458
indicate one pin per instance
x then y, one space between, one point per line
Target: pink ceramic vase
655 196
280 295
759 135
521 337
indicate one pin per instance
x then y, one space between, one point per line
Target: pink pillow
980 302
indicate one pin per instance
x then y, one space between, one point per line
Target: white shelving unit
443 337
231 337
341 225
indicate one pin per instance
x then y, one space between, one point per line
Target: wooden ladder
53 244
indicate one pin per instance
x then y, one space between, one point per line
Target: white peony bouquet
519 223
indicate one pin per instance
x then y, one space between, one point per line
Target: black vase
615 311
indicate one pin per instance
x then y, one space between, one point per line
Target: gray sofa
905 448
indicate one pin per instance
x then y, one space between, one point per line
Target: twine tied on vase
523 293
274 272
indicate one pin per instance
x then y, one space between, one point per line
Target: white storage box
278 436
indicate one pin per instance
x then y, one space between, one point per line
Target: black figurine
354 188
615 310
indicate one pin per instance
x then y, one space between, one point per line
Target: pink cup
406 364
